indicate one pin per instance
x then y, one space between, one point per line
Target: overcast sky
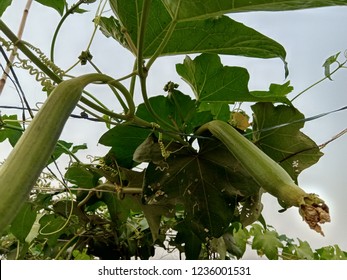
309 37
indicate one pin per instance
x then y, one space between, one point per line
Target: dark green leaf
328 62
193 9
225 84
162 106
276 93
119 209
76 148
205 183
331 253
81 176
265 242
63 208
111 27
57 5
80 11
62 147
124 140
23 222
251 209
13 132
153 214
3 5
236 240
192 243
177 109
219 110
213 35
185 112
292 149
81 255
52 228
304 251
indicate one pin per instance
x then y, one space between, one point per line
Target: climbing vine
184 171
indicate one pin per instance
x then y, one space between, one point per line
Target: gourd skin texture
270 175
30 155
264 170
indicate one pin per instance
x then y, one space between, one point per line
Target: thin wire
296 121
18 87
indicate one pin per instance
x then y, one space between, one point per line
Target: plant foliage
159 175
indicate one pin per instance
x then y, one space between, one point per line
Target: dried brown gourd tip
315 214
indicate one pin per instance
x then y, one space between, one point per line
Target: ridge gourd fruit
269 174
30 155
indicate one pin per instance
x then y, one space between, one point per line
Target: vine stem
55 78
12 55
341 65
143 70
69 12
165 39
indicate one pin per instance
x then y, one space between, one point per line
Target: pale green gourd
30 155
269 174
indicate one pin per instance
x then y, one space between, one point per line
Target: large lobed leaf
176 109
195 9
124 139
213 35
206 183
202 27
285 144
213 82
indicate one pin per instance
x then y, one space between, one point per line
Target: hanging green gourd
269 174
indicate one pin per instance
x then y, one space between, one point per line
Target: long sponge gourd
269 174
18 174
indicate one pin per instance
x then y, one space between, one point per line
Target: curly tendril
26 64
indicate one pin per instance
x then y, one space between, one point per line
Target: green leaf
251 209
76 148
13 132
52 228
193 9
124 139
276 93
287 145
81 176
192 243
331 253
111 27
57 5
212 82
328 62
154 214
304 251
205 183
64 147
236 240
81 255
176 109
219 110
213 35
23 222
3 5
265 242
